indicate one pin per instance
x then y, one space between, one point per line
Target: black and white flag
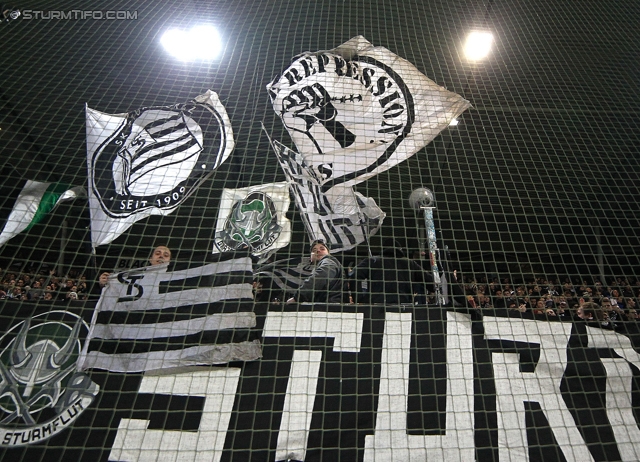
152 318
149 161
288 274
340 216
358 110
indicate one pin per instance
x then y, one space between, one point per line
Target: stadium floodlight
478 45
198 43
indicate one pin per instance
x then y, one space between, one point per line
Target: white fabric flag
154 318
340 216
34 201
358 110
253 218
149 161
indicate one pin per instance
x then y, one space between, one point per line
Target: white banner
358 110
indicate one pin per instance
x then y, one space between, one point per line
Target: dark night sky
544 168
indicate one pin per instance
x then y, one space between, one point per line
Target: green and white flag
254 218
36 200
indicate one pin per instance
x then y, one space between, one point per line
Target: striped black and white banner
340 216
287 274
167 316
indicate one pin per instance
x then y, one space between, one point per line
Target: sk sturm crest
42 393
149 161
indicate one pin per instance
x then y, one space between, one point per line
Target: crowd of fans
611 303
50 286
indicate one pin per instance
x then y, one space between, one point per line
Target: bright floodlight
478 45
200 42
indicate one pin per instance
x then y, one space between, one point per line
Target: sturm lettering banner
372 383
149 161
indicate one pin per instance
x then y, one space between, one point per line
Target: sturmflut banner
155 318
358 383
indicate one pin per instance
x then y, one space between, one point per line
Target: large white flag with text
358 110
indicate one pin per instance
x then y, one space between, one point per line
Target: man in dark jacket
391 277
325 283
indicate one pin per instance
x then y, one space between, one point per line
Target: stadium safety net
320 231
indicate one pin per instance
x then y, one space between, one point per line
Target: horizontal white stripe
182 298
345 328
237 264
175 328
155 360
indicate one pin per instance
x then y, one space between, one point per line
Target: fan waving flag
152 318
340 216
149 161
358 110
253 218
287 275
36 200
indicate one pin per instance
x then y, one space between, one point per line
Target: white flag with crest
149 161
253 218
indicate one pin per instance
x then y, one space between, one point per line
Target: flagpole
264 129
308 227
362 223
422 199
63 246
94 263
433 251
